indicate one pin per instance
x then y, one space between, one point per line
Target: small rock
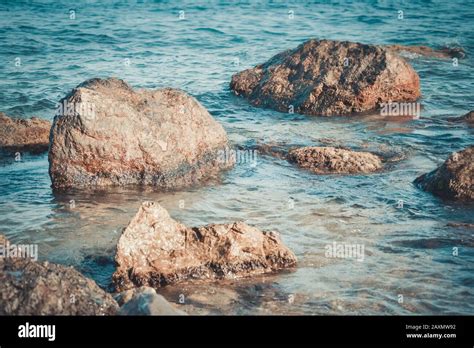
468 118
124 296
323 77
328 160
28 287
460 225
145 301
156 250
445 52
454 179
29 135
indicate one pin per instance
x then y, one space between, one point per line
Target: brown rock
327 160
28 287
454 179
30 135
109 134
445 52
322 77
156 250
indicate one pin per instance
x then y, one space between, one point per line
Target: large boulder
156 250
108 134
18 135
331 160
323 77
28 287
454 179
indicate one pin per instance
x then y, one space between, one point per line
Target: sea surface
414 263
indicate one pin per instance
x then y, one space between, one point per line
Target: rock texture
322 77
28 287
156 250
328 160
445 52
30 135
454 179
145 301
109 134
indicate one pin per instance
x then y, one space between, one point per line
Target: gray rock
425 51
145 301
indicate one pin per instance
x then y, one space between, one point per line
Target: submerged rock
454 179
28 287
30 135
145 301
468 118
323 77
108 134
156 250
460 224
445 52
331 160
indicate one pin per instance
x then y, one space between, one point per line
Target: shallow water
408 251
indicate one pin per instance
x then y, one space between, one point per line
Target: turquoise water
408 251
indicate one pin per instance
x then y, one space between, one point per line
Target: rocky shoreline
108 134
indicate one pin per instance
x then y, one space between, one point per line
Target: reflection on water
408 251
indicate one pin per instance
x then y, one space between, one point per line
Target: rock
322 77
125 296
109 134
29 135
454 179
277 150
468 118
460 224
156 250
445 52
28 287
145 301
328 160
